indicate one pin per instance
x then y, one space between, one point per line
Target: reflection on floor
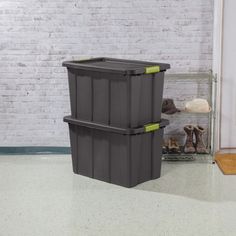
39 195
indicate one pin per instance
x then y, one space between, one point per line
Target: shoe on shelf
173 146
164 147
189 145
164 150
200 146
168 106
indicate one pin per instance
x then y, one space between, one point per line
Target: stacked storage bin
115 125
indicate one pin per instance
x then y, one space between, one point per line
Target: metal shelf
178 157
183 156
184 113
211 117
187 157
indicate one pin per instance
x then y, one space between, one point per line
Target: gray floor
39 195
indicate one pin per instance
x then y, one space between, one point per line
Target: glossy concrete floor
39 195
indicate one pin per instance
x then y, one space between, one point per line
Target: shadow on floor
197 180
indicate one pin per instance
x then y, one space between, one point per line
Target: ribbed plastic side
114 99
125 160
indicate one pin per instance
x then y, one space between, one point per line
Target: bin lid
121 66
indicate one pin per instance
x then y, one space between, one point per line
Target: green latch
151 127
152 69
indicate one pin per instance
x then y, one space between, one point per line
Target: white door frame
217 65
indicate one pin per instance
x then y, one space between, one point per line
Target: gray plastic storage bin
121 93
124 157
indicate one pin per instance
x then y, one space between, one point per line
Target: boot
189 147
200 146
173 146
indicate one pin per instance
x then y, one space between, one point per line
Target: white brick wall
37 35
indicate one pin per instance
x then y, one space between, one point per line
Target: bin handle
152 69
151 127
144 129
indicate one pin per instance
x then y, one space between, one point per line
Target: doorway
224 65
